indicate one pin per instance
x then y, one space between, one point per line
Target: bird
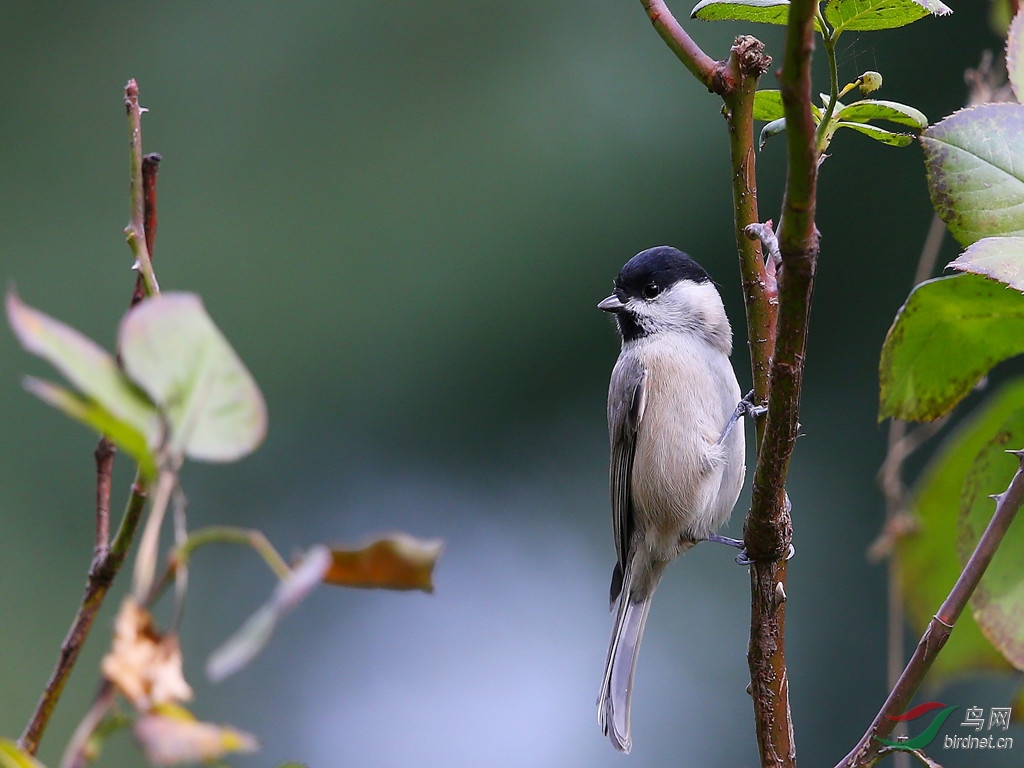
676 466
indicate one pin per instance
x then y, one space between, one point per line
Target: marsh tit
676 469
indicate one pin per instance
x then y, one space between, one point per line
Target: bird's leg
744 407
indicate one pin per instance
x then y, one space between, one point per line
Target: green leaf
764 11
768 105
975 164
864 15
949 334
92 369
1015 56
243 646
930 565
878 134
872 109
773 128
172 349
1000 258
12 756
998 602
94 415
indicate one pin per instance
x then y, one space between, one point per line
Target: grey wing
627 398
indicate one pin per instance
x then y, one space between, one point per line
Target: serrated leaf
93 415
768 105
949 334
929 562
874 109
773 128
398 561
243 646
92 369
1015 56
998 601
763 11
172 349
975 164
1000 258
864 15
12 756
878 134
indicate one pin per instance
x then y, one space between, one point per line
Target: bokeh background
403 216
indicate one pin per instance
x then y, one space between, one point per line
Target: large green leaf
949 334
124 410
874 109
1001 258
865 15
998 602
930 565
1015 56
879 134
764 11
975 164
768 105
172 349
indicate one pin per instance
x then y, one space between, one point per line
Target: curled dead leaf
144 664
396 561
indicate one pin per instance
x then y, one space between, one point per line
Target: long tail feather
617 687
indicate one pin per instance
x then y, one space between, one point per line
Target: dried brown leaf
396 561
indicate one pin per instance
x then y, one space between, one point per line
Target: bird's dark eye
650 291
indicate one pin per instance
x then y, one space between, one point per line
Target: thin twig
100 577
107 556
702 66
868 749
136 229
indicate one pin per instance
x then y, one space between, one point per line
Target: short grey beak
611 304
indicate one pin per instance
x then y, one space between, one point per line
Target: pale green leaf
764 11
172 349
929 561
768 105
872 109
878 134
998 601
92 369
1000 258
1015 56
975 164
94 415
864 15
949 334
12 756
243 646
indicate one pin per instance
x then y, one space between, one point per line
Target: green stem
98 581
136 229
228 534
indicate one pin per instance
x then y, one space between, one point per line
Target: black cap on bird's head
643 278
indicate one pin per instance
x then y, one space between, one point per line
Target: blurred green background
403 216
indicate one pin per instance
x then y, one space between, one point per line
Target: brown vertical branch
746 64
150 166
768 528
108 557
